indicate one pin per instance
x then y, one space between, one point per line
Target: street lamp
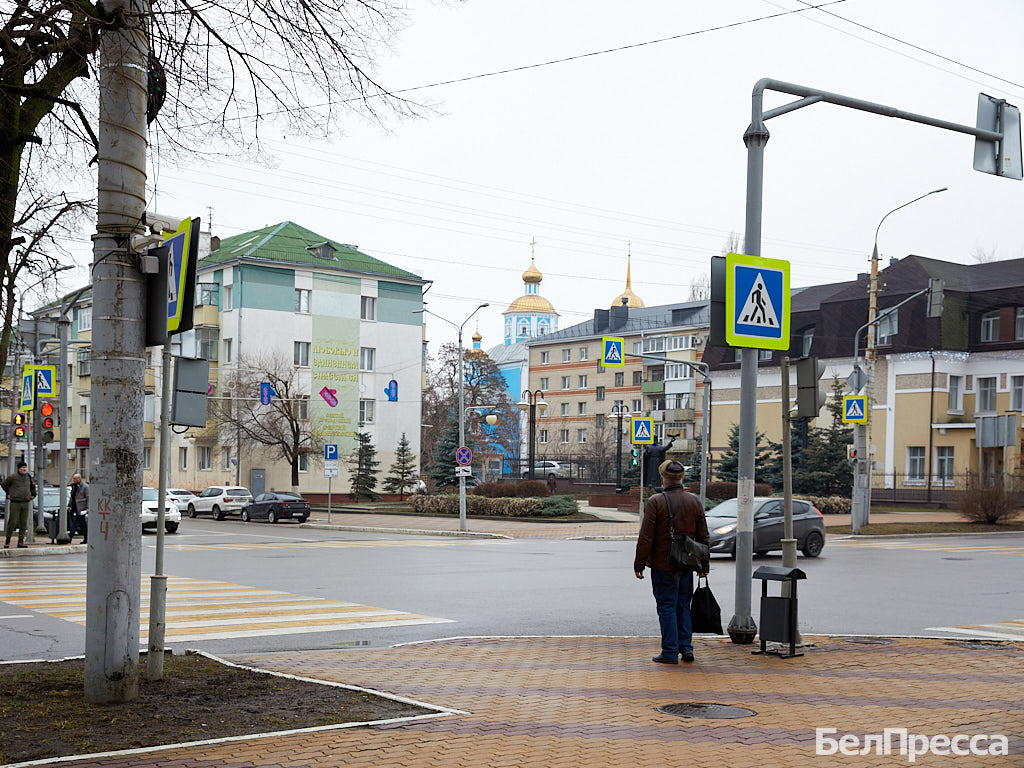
861 503
531 401
462 400
620 411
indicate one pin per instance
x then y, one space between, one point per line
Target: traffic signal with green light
634 457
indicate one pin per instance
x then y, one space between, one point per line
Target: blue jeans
672 593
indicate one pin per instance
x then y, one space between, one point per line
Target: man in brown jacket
672 589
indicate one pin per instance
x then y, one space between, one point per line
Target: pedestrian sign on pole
44 378
642 432
181 275
756 302
855 409
611 352
28 391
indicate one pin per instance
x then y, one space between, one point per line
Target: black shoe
688 656
663 659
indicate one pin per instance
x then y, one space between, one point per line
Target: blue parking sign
330 452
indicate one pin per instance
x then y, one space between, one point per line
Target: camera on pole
809 398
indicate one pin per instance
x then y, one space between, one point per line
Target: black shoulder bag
684 553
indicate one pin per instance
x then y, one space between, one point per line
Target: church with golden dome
530 315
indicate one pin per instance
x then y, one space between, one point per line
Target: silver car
808 526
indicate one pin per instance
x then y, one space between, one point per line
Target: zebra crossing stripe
986 631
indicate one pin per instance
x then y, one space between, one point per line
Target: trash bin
778 614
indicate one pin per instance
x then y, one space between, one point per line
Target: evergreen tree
833 472
363 467
402 473
728 465
442 468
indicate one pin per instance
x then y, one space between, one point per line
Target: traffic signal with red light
46 411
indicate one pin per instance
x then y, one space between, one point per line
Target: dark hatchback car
276 505
808 526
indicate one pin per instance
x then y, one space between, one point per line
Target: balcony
206 314
679 414
147 430
652 387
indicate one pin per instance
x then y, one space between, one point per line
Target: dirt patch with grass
43 713
923 527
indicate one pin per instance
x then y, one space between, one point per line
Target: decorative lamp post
620 411
532 401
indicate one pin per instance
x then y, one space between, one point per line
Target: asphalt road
391 589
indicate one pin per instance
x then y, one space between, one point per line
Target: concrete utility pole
118 364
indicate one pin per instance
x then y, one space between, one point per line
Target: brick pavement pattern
591 701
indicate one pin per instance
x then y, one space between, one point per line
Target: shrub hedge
504 506
520 490
831 505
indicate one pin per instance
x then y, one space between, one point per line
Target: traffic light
19 425
809 398
46 411
634 457
851 454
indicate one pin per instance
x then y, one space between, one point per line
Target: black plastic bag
704 610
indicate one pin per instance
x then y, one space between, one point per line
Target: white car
151 506
180 496
542 469
219 501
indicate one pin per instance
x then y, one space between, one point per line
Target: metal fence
907 488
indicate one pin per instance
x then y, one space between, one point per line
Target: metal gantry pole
158 581
62 511
533 434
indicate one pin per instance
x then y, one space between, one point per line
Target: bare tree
733 244
700 287
282 427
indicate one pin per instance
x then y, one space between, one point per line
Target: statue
654 455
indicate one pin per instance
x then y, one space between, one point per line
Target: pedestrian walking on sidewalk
78 505
21 491
672 589
552 484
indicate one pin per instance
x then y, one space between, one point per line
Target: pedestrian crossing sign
757 302
855 409
28 391
642 431
44 376
611 352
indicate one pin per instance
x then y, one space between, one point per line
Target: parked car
808 526
542 469
51 503
151 506
219 501
276 505
180 496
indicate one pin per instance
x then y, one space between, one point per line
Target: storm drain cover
865 640
706 711
981 645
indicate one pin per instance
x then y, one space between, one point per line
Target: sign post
330 471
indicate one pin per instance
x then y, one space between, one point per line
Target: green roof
288 243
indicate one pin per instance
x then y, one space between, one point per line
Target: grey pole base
157 611
789 561
742 630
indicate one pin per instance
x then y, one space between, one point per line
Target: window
524 328
208 294
368 308
764 354
620 379
583 382
1018 324
301 354
956 394
806 339
637 406
986 398
566 382
565 437
915 464
205 457
565 409
226 453
665 343
1016 393
84 362
227 299
990 326
545 358
581 409
227 350
581 435
366 355
583 353
600 393
600 368
888 325
147 458
85 318
543 435
183 457
323 251
944 464
599 421
366 411
302 300
84 414
676 371
303 461
302 408
207 342
737 354
566 355
638 378
543 382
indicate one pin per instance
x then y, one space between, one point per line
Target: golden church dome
632 300
532 274
530 303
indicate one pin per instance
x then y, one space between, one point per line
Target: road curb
868 536
36 551
404 531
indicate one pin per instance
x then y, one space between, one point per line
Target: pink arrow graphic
330 396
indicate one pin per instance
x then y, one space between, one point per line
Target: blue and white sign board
611 352
330 451
463 456
642 431
855 409
756 302
181 274
28 391
44 377
266 392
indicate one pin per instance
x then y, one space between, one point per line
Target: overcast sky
641 149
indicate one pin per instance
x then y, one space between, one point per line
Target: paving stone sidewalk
591 701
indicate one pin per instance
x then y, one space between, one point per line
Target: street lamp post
531 400
620 411
462 402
